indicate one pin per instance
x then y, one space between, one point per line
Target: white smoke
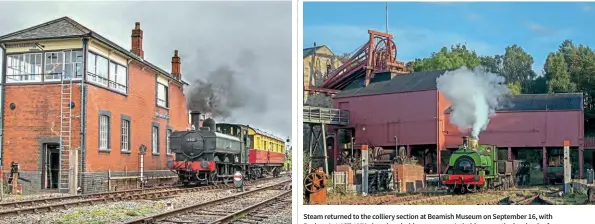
474 95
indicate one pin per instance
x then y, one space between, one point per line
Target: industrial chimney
137 41
195 120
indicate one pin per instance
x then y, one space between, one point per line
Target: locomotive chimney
195 119
473 144
465 142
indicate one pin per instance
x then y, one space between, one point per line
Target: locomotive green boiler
474 167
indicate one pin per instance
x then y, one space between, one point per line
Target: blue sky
423 28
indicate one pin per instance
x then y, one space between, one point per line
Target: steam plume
474 94
218 95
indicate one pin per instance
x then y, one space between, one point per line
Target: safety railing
323 115
105 82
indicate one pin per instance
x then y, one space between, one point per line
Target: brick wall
34 121
140 106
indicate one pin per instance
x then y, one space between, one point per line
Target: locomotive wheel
213 178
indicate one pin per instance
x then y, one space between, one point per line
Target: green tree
517 68
455 57
557 74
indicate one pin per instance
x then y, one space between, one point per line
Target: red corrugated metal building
410 107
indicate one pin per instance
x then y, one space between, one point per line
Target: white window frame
118 77
167 135
95 73
18 65
104 132
125 137
155 139
162 95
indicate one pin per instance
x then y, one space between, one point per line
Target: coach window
104 130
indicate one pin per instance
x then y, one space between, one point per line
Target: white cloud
207 34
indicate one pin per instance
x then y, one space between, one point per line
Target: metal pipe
387 17
83 108
2 92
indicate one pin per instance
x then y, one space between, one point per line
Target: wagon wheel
310 185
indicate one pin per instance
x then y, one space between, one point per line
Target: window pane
125 135
101 70
155 136
54 65
103 132
161 95
121 78
167 141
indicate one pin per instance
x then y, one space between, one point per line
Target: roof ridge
76 24
33 27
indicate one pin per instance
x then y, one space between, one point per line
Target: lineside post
364 156
567 167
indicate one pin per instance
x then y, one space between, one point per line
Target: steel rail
249 209
123 193
115 197
164 215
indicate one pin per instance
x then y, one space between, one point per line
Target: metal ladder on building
65 133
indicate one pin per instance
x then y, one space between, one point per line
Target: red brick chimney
137 41
175 66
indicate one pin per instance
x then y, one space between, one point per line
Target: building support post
364 157
567 167
336 147
408 151
73 171
581 160
323 130
509 154
438 161
544 165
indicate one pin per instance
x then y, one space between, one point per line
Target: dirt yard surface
547 193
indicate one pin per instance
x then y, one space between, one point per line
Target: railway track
66 202
223 210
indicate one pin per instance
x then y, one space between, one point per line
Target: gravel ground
115 212
216 211
12 198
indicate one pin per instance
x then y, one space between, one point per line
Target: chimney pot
137 25
175 53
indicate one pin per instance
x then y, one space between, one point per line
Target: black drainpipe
2 98
83 117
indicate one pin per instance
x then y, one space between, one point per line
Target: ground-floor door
50 166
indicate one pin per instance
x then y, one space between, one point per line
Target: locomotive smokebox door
238 181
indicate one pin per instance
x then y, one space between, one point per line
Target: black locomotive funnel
195 119
465 141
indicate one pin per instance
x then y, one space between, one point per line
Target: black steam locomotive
204 155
